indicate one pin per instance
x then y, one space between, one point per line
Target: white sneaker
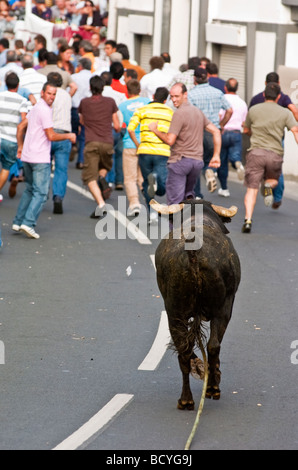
1 198
224 192
152 185
15 227
133 211
240 170
29 231
153 220
268 195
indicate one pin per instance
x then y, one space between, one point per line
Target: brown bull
198 285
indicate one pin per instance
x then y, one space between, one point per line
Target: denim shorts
8 153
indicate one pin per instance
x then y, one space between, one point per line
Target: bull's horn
224 212
166 210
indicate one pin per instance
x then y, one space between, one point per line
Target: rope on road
202 401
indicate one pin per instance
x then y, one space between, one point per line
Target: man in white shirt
30 78
60 150
82 80
11 66
154 79
231 149
168 69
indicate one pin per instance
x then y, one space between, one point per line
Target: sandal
210 180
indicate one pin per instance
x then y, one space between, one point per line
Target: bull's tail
188 334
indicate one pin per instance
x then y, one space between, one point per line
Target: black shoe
99 213
104 187
79 166
58 208
246 227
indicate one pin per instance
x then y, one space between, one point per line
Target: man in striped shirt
153 152
13 109
210 101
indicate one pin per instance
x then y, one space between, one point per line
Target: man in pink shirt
35 153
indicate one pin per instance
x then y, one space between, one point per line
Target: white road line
131 228
96 423
159 347
80 190
153 261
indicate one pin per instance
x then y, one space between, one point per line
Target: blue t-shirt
217 83
127 109
24 92
283 101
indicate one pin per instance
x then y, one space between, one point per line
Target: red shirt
117 86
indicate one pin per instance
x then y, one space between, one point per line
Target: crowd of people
145 133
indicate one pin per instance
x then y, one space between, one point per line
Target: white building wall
265 11
136 5
185 24
264 61
180 26
194 28
291 50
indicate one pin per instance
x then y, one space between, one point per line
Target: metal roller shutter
145 52
232 64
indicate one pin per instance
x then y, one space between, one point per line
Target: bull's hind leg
184 346
185 402
218 327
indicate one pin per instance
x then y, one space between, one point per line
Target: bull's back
206 275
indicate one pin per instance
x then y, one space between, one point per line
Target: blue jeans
61 150
208 154
116 173
75 125
15 169
8 154
81 145
279 190
37 179
231 150
156 164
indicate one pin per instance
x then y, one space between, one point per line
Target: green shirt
267 122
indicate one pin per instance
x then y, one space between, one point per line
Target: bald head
178 94
231 85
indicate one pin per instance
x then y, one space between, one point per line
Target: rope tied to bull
202 401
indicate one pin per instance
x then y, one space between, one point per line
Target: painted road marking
134 231
152 257
161 342
159 347
96 423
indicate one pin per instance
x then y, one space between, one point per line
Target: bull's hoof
185 405
197 368
213 392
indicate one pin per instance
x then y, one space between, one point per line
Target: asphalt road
75 329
